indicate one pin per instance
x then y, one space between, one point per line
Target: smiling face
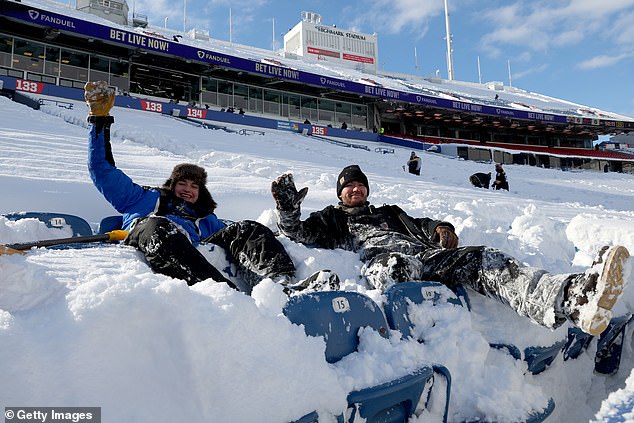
187 190
354 194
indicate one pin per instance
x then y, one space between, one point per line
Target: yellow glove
99 97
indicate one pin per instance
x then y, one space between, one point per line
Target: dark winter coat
367 229
480 180
500 180
414 165
134 201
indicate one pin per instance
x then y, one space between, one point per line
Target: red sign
28 86
151 106
313 50
356 58
319 130
196 113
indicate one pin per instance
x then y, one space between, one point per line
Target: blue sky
577 50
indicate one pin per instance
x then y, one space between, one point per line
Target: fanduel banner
158 43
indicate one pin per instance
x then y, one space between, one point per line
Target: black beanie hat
205 203
349 174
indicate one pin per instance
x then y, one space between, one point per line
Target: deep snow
95 327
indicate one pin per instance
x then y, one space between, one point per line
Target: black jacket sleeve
327 228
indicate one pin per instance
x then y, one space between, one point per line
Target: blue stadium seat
609 345
110 223
56 220
338 316
538 358
401 295
578 341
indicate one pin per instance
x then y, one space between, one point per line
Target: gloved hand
99 97
446 237
285 194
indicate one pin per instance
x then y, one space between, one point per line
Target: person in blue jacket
166 222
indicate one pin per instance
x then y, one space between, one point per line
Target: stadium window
225 94
120 74
33 77
294 106
209 93
359 115
255 99
342 113
15 74
6 46
74 65
309 108
272 100
28 56
99 68
51 61
326 110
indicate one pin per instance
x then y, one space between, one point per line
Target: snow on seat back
78 225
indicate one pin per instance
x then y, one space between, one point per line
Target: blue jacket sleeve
121 192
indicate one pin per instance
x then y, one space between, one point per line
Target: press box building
314 41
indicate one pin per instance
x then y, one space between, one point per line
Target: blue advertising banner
161 44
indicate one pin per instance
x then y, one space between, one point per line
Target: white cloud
530 71
541 25
410 14
603 61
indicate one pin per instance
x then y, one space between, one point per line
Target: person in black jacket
414 164
480 180
396 247
500 178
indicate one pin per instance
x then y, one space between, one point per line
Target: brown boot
590 296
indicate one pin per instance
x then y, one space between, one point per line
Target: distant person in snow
396 247
165 222
414 164
480 180
500 178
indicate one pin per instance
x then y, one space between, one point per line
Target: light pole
165 22
449 48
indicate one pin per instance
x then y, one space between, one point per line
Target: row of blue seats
338 315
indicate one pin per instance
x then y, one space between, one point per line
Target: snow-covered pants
251 246
255 251
168 251
531 292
